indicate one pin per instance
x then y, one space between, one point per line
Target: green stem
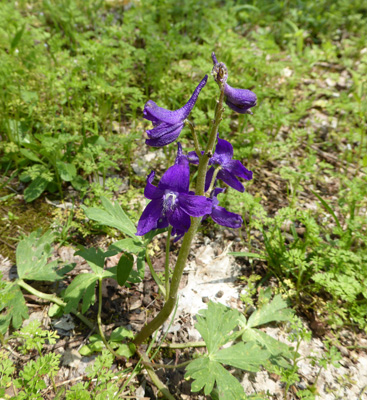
167 309
182 345
166 266
53 299
195 137
166 366
99 320
204 160
153 376
154 275
212 183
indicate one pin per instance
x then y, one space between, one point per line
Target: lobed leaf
216 325
274 311
112 216
82 287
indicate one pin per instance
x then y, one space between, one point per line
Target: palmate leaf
274 311
205 373
82 287
32 255
96 258
12 300
218 326
113 216
247 356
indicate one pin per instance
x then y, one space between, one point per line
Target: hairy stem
166 265
54 299
167 309
195 137
212 183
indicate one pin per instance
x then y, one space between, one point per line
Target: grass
75 74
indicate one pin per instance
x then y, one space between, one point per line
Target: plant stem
153 376
204 160
167 366
212 183
166 266
167 309
154 275
195 137
99 320
53 299
182 345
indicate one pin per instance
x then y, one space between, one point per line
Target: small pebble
219 294
205 299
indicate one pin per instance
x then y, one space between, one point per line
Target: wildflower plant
172 203
178 209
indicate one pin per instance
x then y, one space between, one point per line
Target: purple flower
230 169
168 124
171 202
221 216
239 100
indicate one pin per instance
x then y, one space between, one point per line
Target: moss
19 218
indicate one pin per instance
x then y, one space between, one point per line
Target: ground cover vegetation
74 78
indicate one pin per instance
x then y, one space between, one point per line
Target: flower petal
240 100
223 152
180 221
193 157
176 179
181 158
163 129
208 178
230 180
149 219
196 206
225 218
154 113
236 168
152 192
166 138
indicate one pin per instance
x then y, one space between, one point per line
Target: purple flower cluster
172 203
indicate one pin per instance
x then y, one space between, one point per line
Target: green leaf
328 208
16 310
130 245
30 155
79 183
120 334
66 171
274 311
275 347
35 189
113 216
206 373
125 350
216 324
82 287
16 39
248 357
95 258
89 349
124 268
246 254
32 254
